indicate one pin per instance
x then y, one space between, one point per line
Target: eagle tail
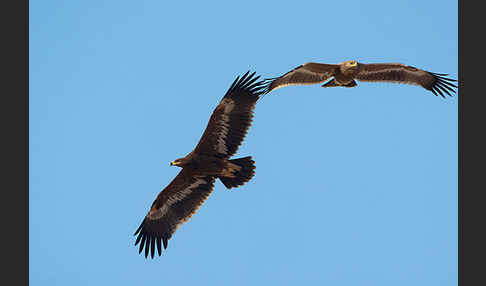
241 176
333 83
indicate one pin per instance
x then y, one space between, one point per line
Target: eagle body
344 74
207 165
210 160
343 78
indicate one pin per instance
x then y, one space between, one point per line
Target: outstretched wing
231 119
395 72
173 206
309 73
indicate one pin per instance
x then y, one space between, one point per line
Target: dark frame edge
460 13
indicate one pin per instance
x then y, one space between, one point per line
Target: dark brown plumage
345 73
226 130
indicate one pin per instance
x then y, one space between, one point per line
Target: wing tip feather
247 83
442 84
148 241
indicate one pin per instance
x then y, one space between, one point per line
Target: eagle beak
172 163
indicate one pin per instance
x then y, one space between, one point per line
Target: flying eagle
345 73
226 130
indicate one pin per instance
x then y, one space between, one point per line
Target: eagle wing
309 73
395 72
231 119
173 206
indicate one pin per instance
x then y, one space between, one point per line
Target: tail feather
242 176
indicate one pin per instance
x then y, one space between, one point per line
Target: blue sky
352 187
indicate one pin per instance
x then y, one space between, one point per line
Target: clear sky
352 187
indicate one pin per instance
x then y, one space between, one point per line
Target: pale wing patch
174 198
382 75
289 81
229 105
294 83
392 82
311 77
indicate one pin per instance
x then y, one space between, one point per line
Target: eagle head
349 66
178 162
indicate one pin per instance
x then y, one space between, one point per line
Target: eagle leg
331 83
351 84
230 170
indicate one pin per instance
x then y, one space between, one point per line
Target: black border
471 159
460 49
15 145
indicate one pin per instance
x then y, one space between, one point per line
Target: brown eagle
226 130
345 73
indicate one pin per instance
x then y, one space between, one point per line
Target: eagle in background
345 74
210 160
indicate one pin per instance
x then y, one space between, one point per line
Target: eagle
345 74
210 160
